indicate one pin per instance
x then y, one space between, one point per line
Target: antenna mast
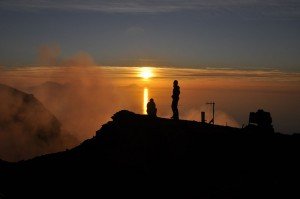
213 106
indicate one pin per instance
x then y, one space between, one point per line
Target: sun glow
146 73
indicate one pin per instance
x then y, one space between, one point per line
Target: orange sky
236 93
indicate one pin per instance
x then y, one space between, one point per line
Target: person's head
151 100
175 83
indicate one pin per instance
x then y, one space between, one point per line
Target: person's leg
175 109
176 114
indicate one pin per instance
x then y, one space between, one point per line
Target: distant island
140 156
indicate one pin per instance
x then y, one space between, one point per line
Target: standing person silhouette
175 97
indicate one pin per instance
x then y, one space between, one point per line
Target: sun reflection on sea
145 100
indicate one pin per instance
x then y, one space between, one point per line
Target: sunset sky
185 33
85 60
83 98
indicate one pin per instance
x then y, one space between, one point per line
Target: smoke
71 88
48 55
81 59
81 104
76 92
27 128
221 118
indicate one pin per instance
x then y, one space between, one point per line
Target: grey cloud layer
246 8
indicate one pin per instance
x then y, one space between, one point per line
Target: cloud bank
245 8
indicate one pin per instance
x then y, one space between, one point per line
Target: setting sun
146 73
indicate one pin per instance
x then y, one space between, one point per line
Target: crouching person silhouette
151 108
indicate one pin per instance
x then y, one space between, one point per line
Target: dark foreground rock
138 156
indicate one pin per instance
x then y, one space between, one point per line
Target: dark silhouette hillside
27 128
139 156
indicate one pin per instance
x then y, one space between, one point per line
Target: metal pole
203 117
213 105
213 112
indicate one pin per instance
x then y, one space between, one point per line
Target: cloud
211 73
243 8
